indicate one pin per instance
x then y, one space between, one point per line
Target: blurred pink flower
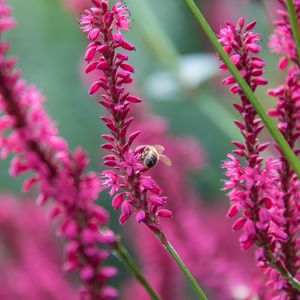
282 41
31 136
136 193
75 6
29 255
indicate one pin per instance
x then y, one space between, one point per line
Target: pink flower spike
264 188
104 26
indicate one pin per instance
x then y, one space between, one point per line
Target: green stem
163 239
295 25
283 272
282 143
122 254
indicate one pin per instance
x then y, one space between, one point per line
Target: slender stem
163 239
294 24
283 272
282 143
122 254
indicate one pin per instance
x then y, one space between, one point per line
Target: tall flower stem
168 246
282 143
294 24
122 254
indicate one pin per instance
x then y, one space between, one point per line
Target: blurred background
177 75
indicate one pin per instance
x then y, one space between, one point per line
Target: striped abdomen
151 159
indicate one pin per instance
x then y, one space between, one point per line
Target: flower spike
133 192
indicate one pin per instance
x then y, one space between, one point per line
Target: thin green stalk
292 281
282 143
283 272
295 25
122 254
182 266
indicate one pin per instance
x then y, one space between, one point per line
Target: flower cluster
30 135
137 194
287 113
256 187
282 41
249 184
240 43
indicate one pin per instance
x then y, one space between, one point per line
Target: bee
152 154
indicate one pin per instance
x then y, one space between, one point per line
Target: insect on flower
152 154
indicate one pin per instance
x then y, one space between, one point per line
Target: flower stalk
278 137
294 24
168 246
122 254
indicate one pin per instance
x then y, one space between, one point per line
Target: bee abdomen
150 161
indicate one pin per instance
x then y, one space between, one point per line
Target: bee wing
159 148
165 159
